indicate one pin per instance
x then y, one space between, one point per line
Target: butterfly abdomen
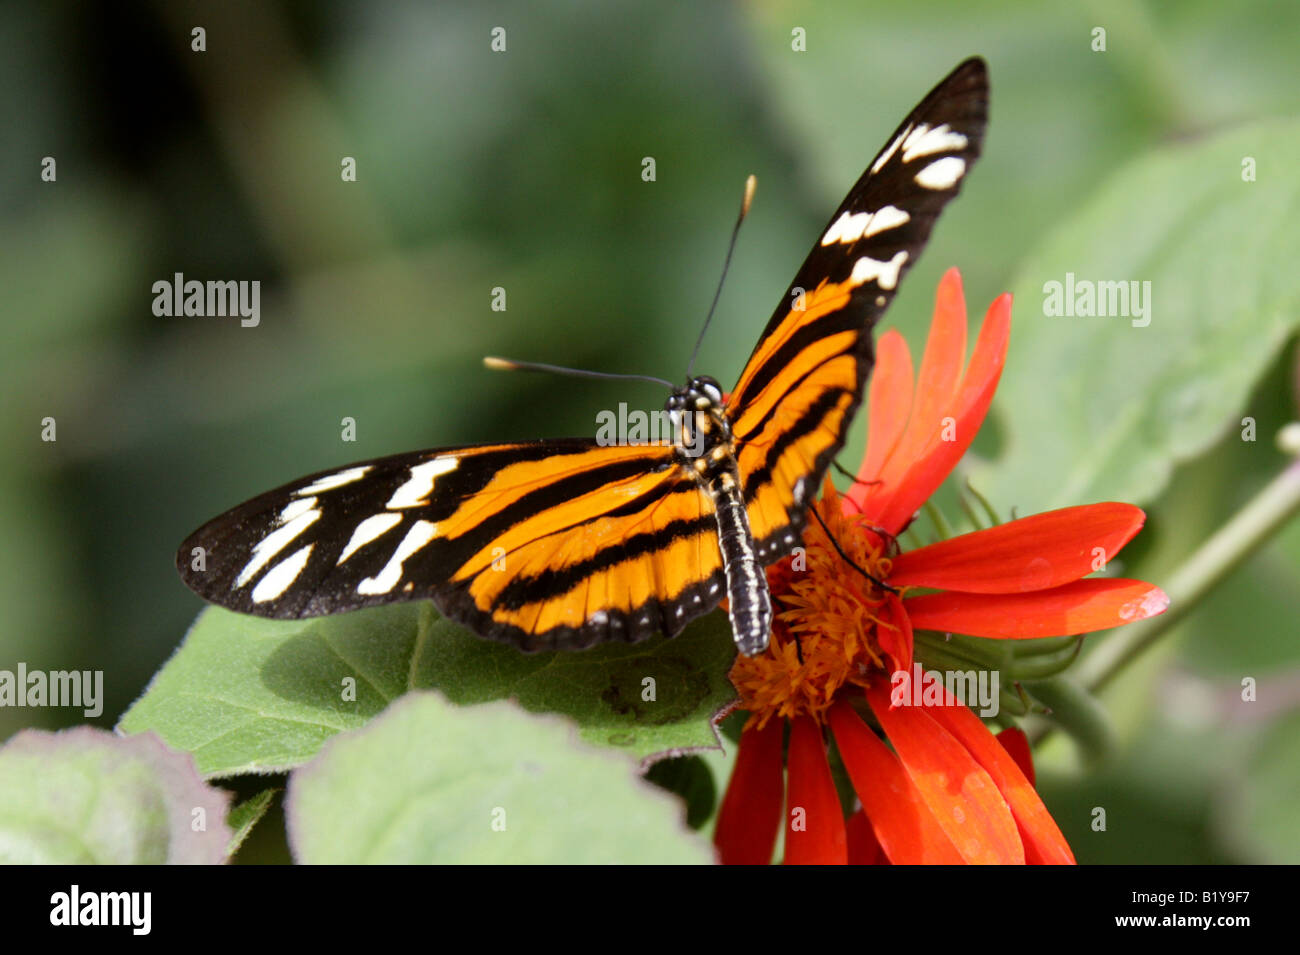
749 603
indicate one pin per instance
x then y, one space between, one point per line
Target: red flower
949 790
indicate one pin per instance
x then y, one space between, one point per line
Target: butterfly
562 544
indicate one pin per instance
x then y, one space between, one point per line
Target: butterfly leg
891 540
849 474
845 557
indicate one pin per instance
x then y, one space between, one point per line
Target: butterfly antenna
750 185
508 364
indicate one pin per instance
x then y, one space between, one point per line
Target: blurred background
521 170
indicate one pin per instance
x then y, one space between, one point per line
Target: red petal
1033 553
932 463
750 816
897 642
813 803
1044 844
863 847
903 824
938 380
1016 743
963 797
1094 603
889 406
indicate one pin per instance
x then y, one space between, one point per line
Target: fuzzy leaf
86 796
429 782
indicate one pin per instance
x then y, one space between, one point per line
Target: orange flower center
827 614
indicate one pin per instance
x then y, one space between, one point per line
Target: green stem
994 518
941 525
969 510
1241 537
1074 710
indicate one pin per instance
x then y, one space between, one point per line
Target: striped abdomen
750 606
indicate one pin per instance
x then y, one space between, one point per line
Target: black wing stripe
554 581
556 492
761 425
841 321
809 421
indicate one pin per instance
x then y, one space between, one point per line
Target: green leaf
244 694
1100 409
86 796
691 780
251 695
245 816
431 782
605 689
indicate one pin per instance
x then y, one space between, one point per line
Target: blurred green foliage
522 170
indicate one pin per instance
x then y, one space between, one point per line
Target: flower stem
1074 710
1262 517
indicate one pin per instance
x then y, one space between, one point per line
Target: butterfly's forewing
547 545
799 390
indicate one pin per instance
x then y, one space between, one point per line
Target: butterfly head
701 393
698 415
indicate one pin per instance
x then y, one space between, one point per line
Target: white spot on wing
888 153
419 485
279 578
372 527
330 481
850 227
276 541
942 173
884 273
295 508
927 142
421 533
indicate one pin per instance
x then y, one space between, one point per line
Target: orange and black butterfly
561 544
